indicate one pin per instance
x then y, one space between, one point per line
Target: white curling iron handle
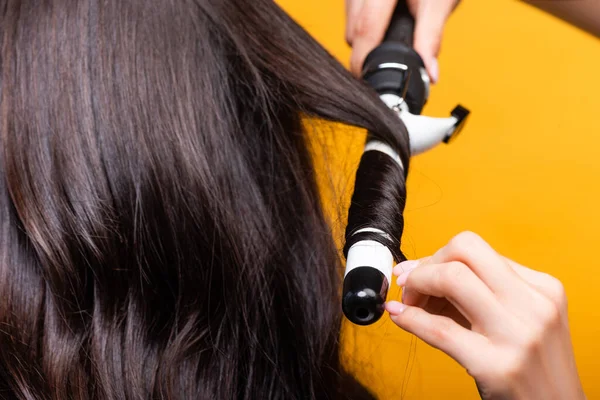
425 132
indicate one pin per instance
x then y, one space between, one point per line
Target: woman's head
161 234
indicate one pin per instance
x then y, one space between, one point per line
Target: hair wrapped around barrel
374 231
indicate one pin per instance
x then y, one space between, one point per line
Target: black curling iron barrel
397 73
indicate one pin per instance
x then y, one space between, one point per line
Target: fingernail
435 71
403 292
406 270
394 307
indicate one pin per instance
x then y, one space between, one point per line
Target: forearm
584 14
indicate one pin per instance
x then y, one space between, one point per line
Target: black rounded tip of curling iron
365 292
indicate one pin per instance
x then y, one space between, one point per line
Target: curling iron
397 73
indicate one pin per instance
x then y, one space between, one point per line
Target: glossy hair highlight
161 234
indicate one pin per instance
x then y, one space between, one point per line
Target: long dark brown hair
161 233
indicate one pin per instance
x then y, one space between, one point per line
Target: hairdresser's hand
506 324
368 20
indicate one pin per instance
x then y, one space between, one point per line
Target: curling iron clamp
397 73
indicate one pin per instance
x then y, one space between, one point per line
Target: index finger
369 30
411 297
470 249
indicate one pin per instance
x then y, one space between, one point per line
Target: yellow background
525 174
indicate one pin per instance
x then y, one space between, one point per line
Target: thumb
429 27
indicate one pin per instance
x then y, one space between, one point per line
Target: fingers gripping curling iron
398 75
397 72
